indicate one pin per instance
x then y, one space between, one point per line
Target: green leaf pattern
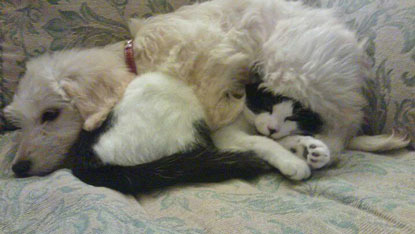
362 193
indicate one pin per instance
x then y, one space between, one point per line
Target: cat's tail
378 143
195 166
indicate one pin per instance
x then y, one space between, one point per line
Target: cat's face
269 113
275 123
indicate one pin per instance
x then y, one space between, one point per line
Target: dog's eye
290 118
50 115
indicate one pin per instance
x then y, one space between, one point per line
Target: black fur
308 122
81 153
258 100
201 163
194 166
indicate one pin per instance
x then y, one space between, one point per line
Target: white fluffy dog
309 55
304 53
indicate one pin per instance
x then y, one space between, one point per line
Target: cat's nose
21 168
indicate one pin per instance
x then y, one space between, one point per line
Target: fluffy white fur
84 85
313 151
304 53
155 118
307 54
310 56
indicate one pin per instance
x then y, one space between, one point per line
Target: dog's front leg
240 137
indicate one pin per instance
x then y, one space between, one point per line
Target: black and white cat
157 136
278 116
288 122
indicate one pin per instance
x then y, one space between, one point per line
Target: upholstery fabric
363 193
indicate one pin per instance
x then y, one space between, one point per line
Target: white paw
294 169
315 152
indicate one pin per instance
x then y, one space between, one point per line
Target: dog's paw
295 169
315 152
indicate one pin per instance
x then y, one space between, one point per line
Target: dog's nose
272 130
21 168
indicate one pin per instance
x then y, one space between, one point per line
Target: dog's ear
8 112
11 116
95 96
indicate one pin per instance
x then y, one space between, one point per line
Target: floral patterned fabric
363 193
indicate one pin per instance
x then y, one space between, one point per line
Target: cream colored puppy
64 92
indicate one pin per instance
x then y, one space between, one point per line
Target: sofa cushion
363 193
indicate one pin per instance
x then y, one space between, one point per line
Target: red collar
129 56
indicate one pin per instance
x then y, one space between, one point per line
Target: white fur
155 118
86 84
378 143
304 53
43 88
309 55
264 122
313 151
240 136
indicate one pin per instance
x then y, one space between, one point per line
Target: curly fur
304 53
